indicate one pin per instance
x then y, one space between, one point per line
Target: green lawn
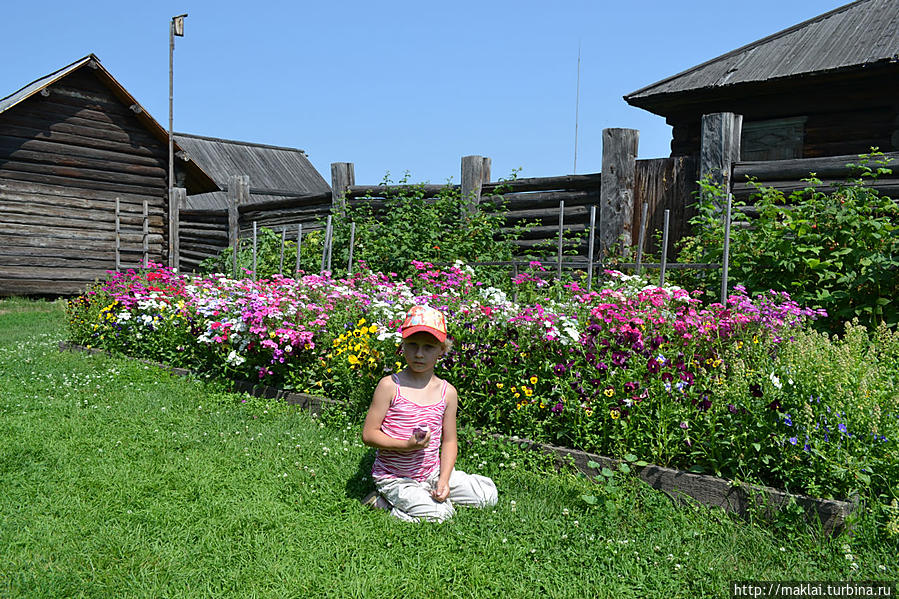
119 480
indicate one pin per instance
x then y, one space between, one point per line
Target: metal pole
664 250
296 267
281 263
515 276
561 225
118 240
171 143
146 240
349 267
234 255
725 259
590 247
642 237
254 250
330 246
325 244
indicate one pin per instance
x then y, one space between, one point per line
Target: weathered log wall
65 158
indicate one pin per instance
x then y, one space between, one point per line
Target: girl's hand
441 491
418 441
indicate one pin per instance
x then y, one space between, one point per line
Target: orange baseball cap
427 319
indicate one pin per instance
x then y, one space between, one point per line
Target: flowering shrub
743 390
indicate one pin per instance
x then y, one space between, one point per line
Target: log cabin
83 167
828 86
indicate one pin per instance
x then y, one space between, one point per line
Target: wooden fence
621 192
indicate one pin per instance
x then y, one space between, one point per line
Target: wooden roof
854 36
275 172
198 181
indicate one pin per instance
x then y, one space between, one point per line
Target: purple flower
631 386
787 420
684 425
793 440
731 408
842 428
653 366
559 369
619 359
557 409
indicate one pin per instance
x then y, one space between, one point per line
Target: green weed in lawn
121 480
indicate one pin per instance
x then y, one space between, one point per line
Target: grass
120 480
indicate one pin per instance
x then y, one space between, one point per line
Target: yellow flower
716 363
361 322
353 359
528 392
514 389
755 339
609 392
517 395
398 366
499 385
373 328
534 380
542 406
615 414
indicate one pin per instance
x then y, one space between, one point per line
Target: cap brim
421 328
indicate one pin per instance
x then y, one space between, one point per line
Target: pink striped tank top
402 417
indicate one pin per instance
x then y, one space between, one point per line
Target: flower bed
630 369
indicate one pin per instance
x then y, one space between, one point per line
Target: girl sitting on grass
412 423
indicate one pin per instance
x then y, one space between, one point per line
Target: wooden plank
138 173
550 232
65 189
544 199
99 214
38 263
80 177
572 214
343 175
13 145
53 251
616 204
192 233
72 135
564 182
831 167
56 243
106 223
37 286
56 274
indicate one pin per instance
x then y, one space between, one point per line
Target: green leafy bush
838 251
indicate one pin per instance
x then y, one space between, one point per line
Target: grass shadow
360 483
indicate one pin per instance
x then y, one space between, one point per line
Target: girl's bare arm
449 446
373 436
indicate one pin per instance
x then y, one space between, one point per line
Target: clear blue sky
398 86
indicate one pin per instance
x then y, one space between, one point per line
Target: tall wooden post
180 197
720 148
616 194
475 172
238 193
343 174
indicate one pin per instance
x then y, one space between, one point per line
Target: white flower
775 381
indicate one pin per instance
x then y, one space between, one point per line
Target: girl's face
421 351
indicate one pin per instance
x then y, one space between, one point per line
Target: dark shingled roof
853 36
282 171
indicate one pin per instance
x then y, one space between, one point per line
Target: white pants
412 501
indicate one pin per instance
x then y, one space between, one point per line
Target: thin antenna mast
577 102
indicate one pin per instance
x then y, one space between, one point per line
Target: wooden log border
681 487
